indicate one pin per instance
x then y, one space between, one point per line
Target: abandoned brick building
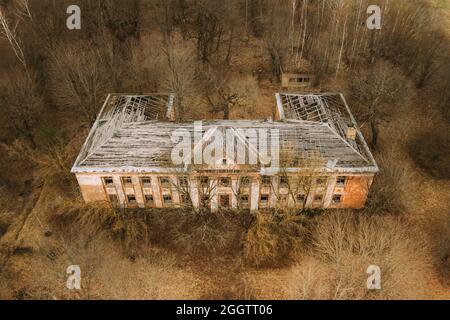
324 161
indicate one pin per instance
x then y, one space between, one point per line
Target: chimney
351 132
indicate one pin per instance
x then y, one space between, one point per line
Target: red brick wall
355 191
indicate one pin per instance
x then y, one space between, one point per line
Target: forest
223 60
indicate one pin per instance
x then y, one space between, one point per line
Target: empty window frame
146 182
265 180
244 201
205 200
320 181
284 182
184 199
298 80
300 198
108 182
337 198
340 181
167 199
283 201
244 182
204 181
127 181
149 201
318 198
225 181
224 200
183 182
165 182
131 199
264 199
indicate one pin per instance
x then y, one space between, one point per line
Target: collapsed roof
133 135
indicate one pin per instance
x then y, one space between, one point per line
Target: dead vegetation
431 153
343 246
394 180
274 239
222 61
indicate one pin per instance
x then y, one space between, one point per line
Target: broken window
224 201
183 182
127 181
298 79
165 182
340 181
245 181
300 198
131 198
264 199
283 199
204 182
265 180
167 198
337 198
244 200
284 182
225 182
108 181
146 182
205 200
183 198
320 181
149 200
318 198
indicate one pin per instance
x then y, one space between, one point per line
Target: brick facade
138 190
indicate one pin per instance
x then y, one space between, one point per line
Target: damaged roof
129 137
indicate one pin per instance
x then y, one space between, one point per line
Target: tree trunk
374 129
226 111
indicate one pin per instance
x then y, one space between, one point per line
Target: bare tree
377 91
21 103
276 37
122 20
224 92
79 80
182 75
9 32
24 8
54 159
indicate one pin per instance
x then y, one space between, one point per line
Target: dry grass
431 153
105 273
6 219
440 242
345 244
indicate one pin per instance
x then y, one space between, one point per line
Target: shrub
130 228
193 233
344 244
431 153
274 238
209 233
390 185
